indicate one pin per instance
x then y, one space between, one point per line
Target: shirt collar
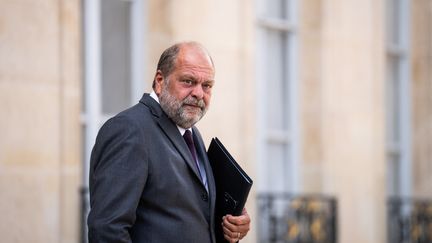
182 130
154 96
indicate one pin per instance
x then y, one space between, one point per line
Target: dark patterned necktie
190 143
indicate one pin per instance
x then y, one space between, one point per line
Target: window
113 59
115 55
277 88
398 98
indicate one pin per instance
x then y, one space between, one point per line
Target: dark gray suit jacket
144 185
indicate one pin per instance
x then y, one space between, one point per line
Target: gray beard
183 116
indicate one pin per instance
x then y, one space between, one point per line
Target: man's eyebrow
188 76
192 77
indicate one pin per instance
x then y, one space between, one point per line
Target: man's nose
198 92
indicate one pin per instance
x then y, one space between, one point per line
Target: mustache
193 101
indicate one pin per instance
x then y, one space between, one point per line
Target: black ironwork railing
409 220
286 218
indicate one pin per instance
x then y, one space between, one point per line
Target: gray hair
167 61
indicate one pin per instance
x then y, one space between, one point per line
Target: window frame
288 137
399 177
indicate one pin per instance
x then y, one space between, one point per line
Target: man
147 182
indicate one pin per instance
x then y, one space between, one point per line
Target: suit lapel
172 132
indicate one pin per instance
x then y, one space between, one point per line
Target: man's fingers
234 232
232 236
236 227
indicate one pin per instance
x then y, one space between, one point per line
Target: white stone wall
353 116
40 101
421 64
341 80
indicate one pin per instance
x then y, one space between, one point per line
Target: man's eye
207 86
188 81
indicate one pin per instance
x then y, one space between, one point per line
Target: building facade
329 100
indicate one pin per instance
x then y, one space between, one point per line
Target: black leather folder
232 184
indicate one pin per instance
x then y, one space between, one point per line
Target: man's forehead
194 58
194 63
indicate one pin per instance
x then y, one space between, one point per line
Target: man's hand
236 227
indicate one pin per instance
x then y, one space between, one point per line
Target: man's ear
159 81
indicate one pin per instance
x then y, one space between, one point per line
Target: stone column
421 61
310 34
353 142
39 126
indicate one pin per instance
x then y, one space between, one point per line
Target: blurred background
327 105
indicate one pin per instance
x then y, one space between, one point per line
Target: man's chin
192 120
188 121
192 112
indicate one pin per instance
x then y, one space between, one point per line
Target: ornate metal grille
285 218
409 220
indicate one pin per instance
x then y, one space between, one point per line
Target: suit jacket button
204 197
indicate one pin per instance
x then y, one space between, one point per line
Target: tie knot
188 137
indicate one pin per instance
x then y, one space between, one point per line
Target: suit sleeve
118 173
